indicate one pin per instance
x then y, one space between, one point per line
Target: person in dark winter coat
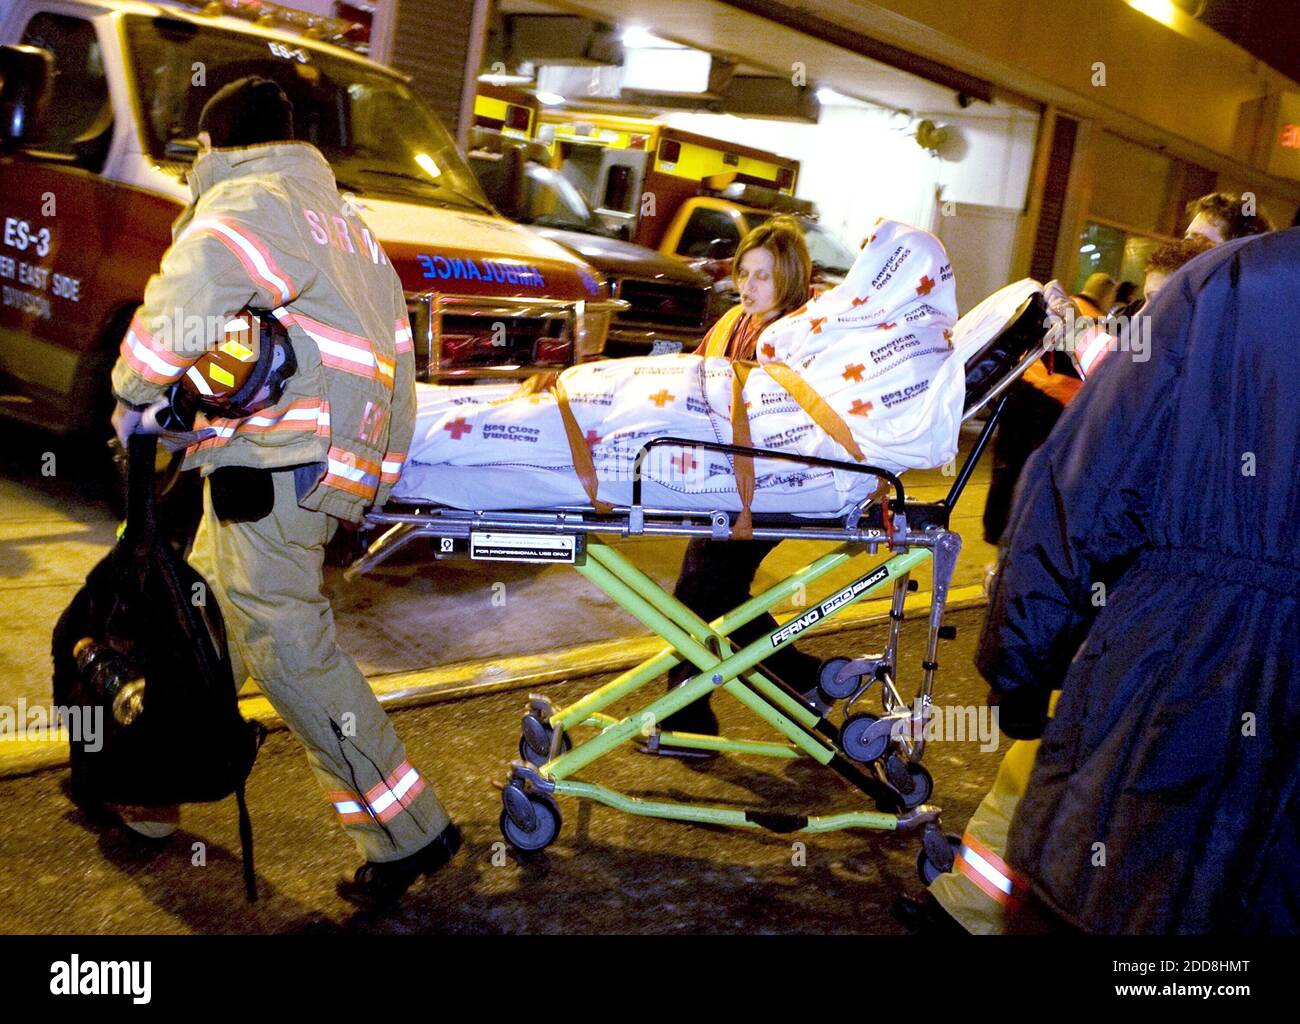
1151 571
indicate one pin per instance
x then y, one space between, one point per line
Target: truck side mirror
26 83
500 175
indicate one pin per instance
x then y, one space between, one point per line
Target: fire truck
88 193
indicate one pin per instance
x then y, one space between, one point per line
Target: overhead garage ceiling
759 45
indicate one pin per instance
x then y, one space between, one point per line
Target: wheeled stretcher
878 752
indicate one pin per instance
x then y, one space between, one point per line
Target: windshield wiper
582 227
428 183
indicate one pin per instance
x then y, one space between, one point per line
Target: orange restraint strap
743 464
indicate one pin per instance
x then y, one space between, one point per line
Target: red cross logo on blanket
592 439
860 408
926 286
458 427
947 336
684 463
885 327
816 323
861 302
854 372
769 350
661 399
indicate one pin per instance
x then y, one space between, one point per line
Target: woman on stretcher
864 372
773 272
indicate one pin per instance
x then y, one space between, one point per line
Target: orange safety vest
718 342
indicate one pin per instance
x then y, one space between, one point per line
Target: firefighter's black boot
924 915
378 886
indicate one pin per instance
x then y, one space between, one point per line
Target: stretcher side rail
456 523
403 527
637 520
851 520
758 453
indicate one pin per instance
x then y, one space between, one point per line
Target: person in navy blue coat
1151 571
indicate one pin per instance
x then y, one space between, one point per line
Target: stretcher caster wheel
537 734
529 822
928 868
535 745
864 737
533 756
830 686
911 780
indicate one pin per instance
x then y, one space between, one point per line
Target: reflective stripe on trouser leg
267 576
990 873
982 888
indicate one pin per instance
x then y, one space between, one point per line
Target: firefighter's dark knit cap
246 112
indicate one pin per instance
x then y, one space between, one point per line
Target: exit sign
1291 136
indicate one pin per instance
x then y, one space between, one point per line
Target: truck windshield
826 251
554 203
378 137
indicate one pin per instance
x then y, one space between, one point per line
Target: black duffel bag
145 608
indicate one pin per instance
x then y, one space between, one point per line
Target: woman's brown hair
791 264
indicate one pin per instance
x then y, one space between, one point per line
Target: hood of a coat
292 159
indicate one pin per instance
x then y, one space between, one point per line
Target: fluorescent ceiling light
826 95
638 38
677 71
492 79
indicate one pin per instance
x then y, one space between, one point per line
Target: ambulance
99 104
668 300
690 196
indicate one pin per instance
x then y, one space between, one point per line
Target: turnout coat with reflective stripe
268 228
1151 571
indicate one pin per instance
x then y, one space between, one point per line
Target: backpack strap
141 509
246 845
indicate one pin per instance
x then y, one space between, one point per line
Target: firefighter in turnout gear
267 230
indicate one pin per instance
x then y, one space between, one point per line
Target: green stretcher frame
688 638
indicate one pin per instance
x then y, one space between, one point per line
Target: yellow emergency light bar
337 31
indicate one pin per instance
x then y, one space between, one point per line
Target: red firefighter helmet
243 374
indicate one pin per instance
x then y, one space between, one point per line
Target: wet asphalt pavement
607 872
